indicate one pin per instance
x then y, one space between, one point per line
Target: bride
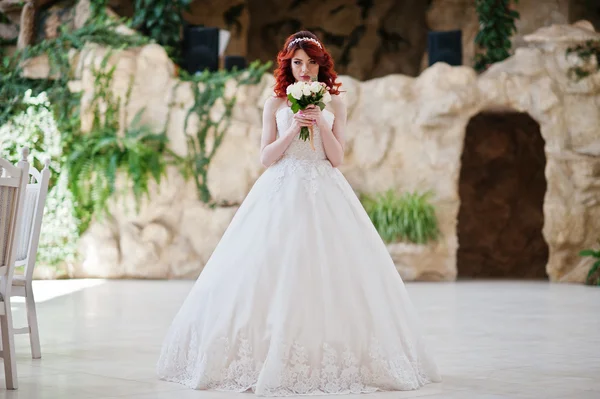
301 296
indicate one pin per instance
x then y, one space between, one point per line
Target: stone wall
585 9
460 14
403 133
368 39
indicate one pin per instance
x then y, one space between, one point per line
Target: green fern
593 276
409 217
98 156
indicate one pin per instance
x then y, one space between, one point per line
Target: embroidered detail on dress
295 371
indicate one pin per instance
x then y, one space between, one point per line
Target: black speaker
200 48
234 61
445 47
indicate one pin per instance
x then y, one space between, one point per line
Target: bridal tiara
304 39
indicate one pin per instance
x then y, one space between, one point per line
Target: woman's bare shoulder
338 104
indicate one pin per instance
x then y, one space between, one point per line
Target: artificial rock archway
502 187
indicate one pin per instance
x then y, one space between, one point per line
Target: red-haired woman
301 295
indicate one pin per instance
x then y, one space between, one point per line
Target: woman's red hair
283 73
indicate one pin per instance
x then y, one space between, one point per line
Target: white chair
13 181
27 246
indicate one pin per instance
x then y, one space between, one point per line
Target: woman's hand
301 119
314 113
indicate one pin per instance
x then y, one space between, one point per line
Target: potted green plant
408 225
406 218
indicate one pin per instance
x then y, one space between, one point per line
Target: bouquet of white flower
303 94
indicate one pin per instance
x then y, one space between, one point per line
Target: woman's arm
334 138
271 147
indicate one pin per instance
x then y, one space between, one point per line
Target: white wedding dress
300 297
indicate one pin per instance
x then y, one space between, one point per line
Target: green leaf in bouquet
321 105
295 107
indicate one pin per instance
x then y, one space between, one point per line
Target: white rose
326 97
296 92
292 87
306 90
315 87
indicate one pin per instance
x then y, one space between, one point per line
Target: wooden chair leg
34 332
8 349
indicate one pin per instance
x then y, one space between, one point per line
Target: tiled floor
100 339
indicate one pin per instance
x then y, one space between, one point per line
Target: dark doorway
502 187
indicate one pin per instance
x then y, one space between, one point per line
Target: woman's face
303 67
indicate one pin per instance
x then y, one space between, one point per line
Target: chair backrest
13 180
31 220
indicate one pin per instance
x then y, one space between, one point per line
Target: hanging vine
161 20
12 83
496 26
209 91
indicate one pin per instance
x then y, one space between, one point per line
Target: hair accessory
304 39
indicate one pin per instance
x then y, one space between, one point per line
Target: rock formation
403 133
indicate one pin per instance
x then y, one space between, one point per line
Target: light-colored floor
100 339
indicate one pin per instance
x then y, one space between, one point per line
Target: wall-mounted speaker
234 61
200 49
445 47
